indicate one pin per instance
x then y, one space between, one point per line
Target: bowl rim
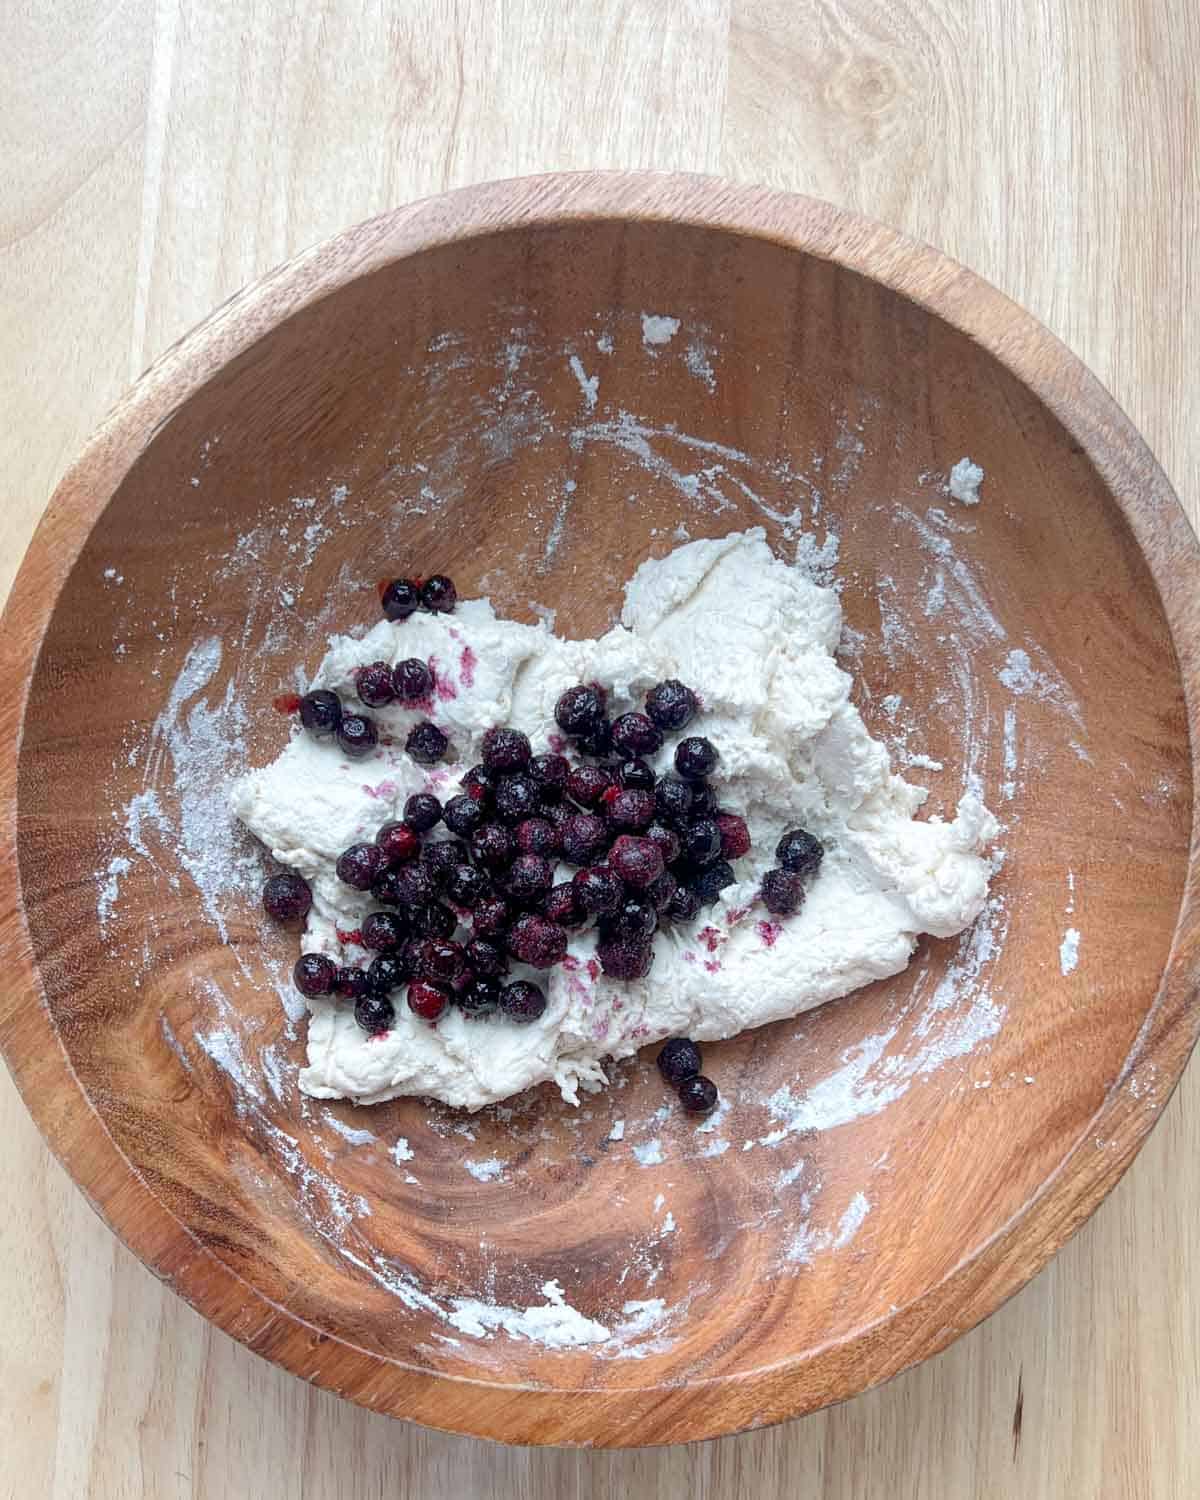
710 1406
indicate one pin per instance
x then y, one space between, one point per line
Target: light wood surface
1056 156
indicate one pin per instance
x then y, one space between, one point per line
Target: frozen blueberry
286 897
587 785
636 734
480 783
625 957
684 905
438 594
463 815
493 847
410 885
398 843
633 917
517 798
314 974
679 1059
637 861
782 892
578 709
668 841
426 743
584 838
505 750
538 836
599 890
427 1000
357 736
561 905
735 836
671 705
698 1094
522 1002
700 841
492 917
321 712
661 892
549 773
400 599
384 931
441 857
486 957
422 811
673 797
435 920
351 984
630 810
537 941
466 886
412 680
359 865
373 684
799 852
636 776
695 757
712 880
479 997
374 1013
385 974
529 877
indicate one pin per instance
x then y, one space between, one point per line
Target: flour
658 330
1068 953
963 484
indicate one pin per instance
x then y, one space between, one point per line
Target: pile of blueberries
647 849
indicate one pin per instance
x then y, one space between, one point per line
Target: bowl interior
524 412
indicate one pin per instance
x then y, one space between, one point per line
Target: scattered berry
505 750
673 799
422 811
637 861
698 1094
479 997
438 595
530 876
625 957
549 774
359 866
710 882
314 974
441 857
633 810
486 957
799 852
374 1013
357 736
579 709
598 741
636 776
373 684
661 892
491 917
636 734
679 1059
587 785
584 838
351 984
426 743
684 905
536 941
442 961
384 931
633 918
286 897
701 841
463 815
667 840
411 679
493 846
466 886
782 892
561 905
517 798
671 705
427 1000
538 836
398 843
410 885
400 599
412 957
321 712
522 1002
735 836
695 757
599 890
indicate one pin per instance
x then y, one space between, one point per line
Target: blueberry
480 997
598 741
480 783
422 811
385 973
426 743
410 885
492 917
442 961
712 880
668 841
517 798
286 897
782 892
463 815
400 599
373 684
636 776
427 1000
321 711
671 705
799 852
466 886
549 774
636 734
538 836
636 860
632 918
684 905
584 839
522 1002
661 892
588 784
578 710
398 843
530 876
625 957
314 974
486 957
351 984
673 798
359 866
493 847
561 905
700 841
435 920
441 857
537 941
505 750
374 1013
384 931
357 736
698 1094
411 679
735 836
679 1059
599 890
695 757
631 810
438 594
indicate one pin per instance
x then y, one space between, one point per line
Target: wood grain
1027 197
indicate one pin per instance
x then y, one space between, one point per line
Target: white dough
755 638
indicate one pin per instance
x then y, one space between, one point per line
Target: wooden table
161 153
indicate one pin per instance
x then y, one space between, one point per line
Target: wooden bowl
469 385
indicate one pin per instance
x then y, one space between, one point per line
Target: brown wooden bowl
415 395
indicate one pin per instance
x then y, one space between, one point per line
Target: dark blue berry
579 709
400 599
636 776
373 684
480 783
584 838
422 811
492 917
661 892
410 885
799 852
630 810
314 974
549 774
522 1002
671 705
529 877
435 920
673 799
286 897
493 847
561 905
486 957
411 680
710 882
359 866
426 744
588 784
782 892
397 842
517 799
695 757
438 594
632 918
668 841
463 815
537 941
625 957
636 860
442 961
700 841
679 1059
480 997
505 750
321 711
374 1013
384 931
357 736
441 857
466 886
698 1094
598 742
538 836
385 974
599 890
684 905
636 734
